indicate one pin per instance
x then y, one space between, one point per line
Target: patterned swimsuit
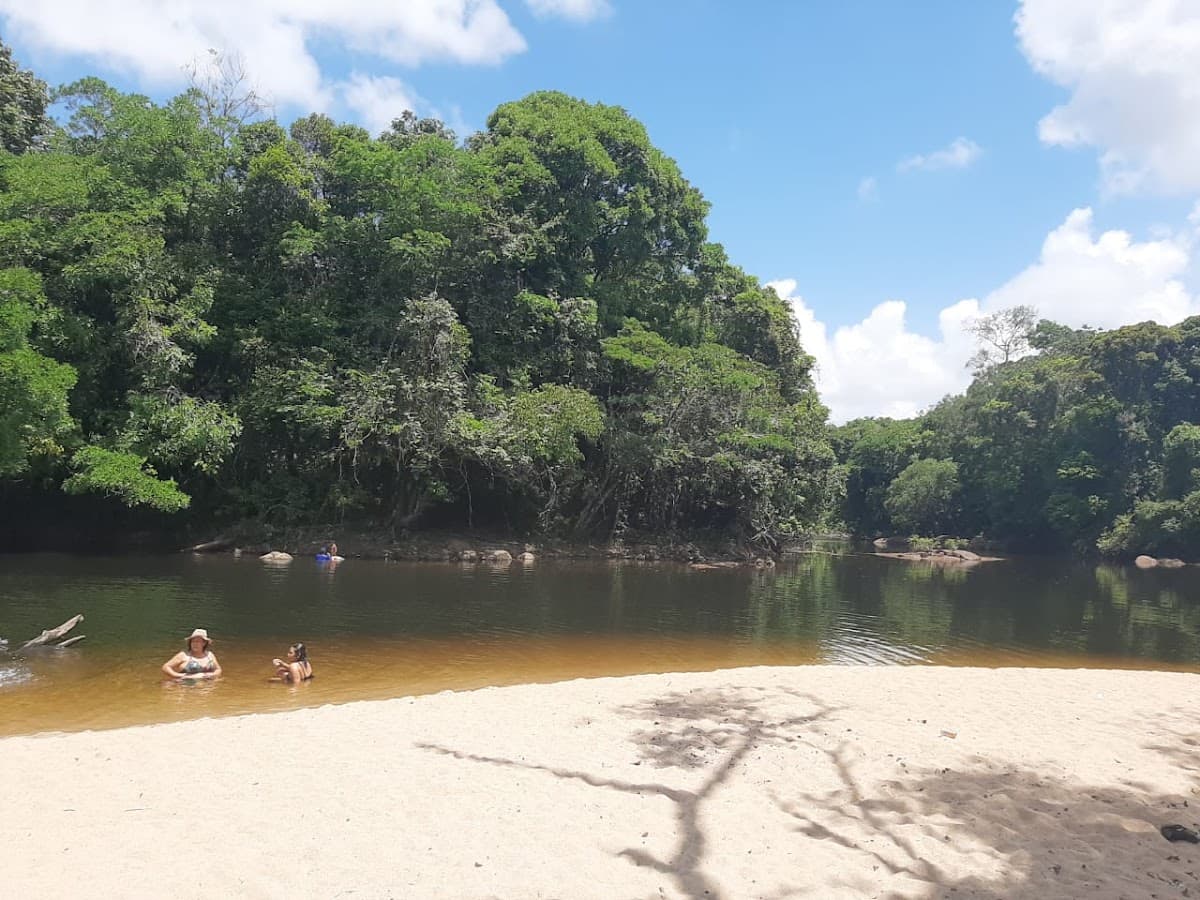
194 665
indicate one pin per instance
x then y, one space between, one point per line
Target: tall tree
1002 336
23 102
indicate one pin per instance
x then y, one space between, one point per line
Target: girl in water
296 668
196 662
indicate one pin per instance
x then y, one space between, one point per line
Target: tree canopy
202 309
206 313
1090 443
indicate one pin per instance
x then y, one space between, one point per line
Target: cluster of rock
434 547
940 557
1150 562
466 555
495 557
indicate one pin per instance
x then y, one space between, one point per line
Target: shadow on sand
989 831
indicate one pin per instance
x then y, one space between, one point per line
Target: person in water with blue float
196 662
329 554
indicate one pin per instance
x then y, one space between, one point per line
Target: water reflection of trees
1011 609
1019 607
1147 613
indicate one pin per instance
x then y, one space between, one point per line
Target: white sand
816 782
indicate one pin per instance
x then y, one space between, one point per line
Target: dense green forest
528 329
202 310
1086 444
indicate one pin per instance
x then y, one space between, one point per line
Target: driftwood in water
53 634
210 546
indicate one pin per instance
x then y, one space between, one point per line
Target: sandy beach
746 783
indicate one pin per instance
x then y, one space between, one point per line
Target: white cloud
1107 282
1133 70
880 367
378 100
579 10
868 189
959 154
152 40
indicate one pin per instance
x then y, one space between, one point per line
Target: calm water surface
379 629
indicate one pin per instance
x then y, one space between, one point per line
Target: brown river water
377 630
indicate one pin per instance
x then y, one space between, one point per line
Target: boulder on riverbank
498 557
1150 562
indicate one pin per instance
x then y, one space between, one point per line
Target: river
377 629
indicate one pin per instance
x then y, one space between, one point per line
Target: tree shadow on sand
703 730
1036 835
992 830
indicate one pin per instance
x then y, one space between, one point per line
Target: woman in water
196 663
297 668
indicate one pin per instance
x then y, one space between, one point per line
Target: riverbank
471 546
764 782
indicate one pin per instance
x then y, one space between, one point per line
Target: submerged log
53 634
210 546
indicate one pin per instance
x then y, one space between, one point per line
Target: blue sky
795 119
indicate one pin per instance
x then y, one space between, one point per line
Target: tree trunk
54 634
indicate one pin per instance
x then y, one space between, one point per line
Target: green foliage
710 439
528 328
598 210
23 101
937 543
183 433
125 476
545 423
1090 444
1181 461
923 499
303 323
1156 527
34 416
875 451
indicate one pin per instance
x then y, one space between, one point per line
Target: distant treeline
1091 444
201 309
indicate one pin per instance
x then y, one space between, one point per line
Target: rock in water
1145 562
276 556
